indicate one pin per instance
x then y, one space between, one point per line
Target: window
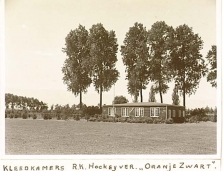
169 113
183 113
125 112
111 111
154 111
174 113
179 113
139 112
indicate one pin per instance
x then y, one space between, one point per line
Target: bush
49 117
214 118
34 116
178 119
45 117
16 115
65 117
111 119
169 121
77 117
205 119
194 119
19 113
5 115
99 119
142 120
155 121
104 120
199 113
138 120
149 120
11 116
92 119
92 110
129 120
116 119
58 117
87 117
24 116
187 119
158 120
122 119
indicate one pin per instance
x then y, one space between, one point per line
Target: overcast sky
35 34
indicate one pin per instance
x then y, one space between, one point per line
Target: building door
169 113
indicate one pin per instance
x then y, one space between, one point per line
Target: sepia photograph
121 77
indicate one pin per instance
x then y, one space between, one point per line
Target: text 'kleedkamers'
33 168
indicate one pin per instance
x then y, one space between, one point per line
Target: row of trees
20 102
159 55
163 54
175 97
91 58
206 110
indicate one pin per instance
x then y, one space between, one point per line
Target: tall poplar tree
159 37
212 60
103 50
76 65
135 58
175 96
152 94
186 60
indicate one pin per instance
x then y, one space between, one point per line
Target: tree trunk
141 95
100 97
161 97
80 100
184 95
135 98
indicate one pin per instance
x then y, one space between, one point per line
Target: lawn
80 137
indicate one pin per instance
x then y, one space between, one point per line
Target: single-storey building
145 109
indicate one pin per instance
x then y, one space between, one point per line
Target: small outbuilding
145 109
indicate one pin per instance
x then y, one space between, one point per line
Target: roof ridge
144 103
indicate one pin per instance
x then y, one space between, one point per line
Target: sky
35 34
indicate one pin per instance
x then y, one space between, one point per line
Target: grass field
73 137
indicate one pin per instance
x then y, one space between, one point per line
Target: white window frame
109 111
179 113
153 111
174 113
139 111
125 113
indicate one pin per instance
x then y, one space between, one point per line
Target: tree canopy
20 102
135 58
175 96
103 49
76 66
187 63
159 37
212 60
120 100
152 94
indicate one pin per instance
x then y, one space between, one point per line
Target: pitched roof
143 104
